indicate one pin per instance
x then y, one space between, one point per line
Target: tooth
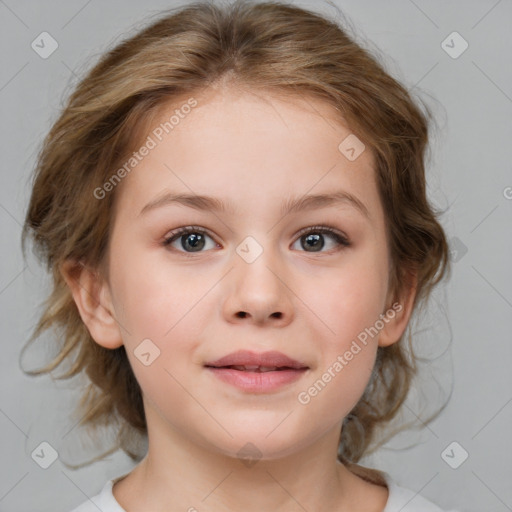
254 368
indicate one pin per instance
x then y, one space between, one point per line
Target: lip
255 381
268 359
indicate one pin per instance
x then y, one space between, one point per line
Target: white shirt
400 499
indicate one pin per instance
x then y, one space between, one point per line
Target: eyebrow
293 205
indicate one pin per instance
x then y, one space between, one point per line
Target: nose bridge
258 290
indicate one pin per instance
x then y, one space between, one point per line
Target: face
251 275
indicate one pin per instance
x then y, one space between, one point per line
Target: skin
255 151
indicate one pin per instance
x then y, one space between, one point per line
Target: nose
258 292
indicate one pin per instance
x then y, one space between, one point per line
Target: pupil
195 240
314 239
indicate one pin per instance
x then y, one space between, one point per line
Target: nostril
243 314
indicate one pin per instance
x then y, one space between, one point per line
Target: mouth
247 361
255 368
252 372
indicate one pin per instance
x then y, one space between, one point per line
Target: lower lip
257 382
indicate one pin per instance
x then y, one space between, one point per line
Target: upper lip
265 359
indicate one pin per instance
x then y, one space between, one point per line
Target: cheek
350 298
337 386
160 307
160 303
152 298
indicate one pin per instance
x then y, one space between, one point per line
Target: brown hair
269 45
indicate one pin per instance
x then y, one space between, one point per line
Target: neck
180 474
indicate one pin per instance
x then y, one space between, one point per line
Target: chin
251 447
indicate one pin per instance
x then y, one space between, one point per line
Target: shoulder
400 499
405 500
103 501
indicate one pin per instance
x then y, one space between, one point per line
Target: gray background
467 330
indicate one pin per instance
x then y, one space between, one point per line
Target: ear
399 312
92 296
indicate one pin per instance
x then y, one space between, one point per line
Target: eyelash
336 235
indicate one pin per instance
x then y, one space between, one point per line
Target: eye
313 238
192 238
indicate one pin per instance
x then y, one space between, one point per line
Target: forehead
247 147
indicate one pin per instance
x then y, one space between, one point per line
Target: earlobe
92 297
398 314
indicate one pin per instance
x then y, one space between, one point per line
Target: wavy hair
273 46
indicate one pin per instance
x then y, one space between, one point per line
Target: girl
233 206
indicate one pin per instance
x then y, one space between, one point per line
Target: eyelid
341 238
325 228
183 230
